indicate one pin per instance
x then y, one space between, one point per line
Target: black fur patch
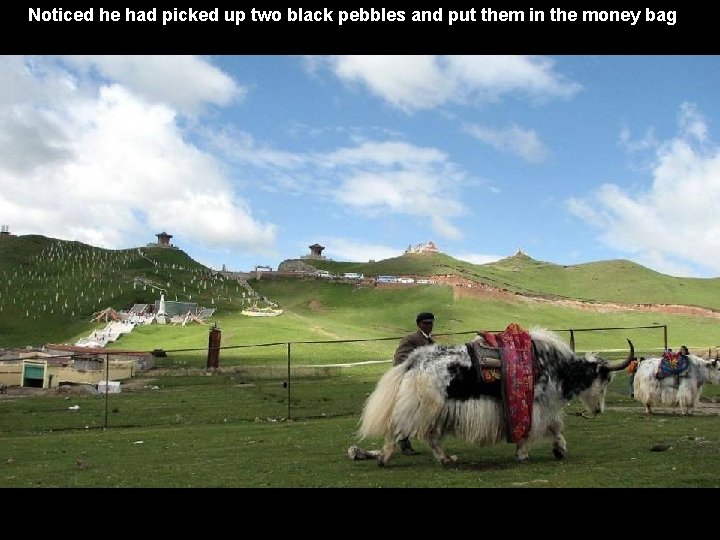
465 384
574 374
577 376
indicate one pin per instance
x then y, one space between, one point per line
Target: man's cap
424 317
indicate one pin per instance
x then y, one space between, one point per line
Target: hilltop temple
163 240
430 247
315 253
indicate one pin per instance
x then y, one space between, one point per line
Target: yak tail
379 405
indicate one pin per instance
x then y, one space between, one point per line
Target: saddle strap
485 361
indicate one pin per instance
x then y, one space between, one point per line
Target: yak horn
622 364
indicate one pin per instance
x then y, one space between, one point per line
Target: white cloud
692 124
669 265
647 142
478 258
582 208
401 179
103 166
405 192
444 228
241 146
373 178
513 140
353 250
391 153
672 226
419 82
186 83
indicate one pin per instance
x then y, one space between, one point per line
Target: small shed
34 373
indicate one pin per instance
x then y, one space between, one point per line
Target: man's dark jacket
408 344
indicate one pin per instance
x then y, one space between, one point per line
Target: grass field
231 430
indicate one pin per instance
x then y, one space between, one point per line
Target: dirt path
705 408
465 288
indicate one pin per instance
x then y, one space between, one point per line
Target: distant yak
681 389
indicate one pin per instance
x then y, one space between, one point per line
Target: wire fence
249 383
648 340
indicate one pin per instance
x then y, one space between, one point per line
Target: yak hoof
559 453
449 461
354 452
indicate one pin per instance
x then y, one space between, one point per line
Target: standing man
419 338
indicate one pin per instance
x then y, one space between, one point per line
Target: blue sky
247 160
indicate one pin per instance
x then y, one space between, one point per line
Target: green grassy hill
49 290
316 310
619 281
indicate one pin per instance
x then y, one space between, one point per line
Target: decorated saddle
673 363
515 373
485 358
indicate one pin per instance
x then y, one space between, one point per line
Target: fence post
572 340
665 336
288 382
213 358
107 386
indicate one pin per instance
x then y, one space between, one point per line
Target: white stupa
161 316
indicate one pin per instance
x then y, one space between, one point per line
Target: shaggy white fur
683 392
412 399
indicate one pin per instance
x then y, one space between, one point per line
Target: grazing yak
682 390
437 391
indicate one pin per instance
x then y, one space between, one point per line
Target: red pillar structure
213 358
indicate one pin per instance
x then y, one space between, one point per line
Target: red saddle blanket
518 380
